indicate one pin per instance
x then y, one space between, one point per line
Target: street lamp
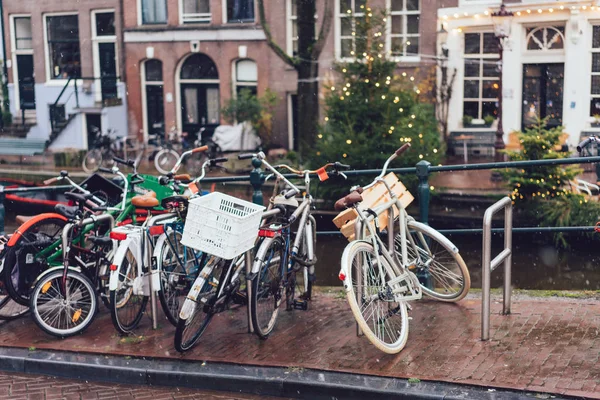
502 21
444 90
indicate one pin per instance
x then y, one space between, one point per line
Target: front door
108 70
155 110
543 93
26 81
200 110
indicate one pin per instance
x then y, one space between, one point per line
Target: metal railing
488 265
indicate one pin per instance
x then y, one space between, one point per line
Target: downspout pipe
5 100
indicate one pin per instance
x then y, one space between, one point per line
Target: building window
152 80
23 33
240 11
104 40
63 46
105 24
595 102
546 38
154 11
351 12
292 28
195 11
404 29
480 97
245 76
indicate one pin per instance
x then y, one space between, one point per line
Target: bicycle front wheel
442 272
63 313
92 161
165 160
267 288
127 302
383 320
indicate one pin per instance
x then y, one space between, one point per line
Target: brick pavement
547 345
36 387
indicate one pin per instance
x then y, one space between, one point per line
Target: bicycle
9 309
379 278
135 269
166 158
106 147
281 255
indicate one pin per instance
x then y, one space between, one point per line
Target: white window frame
339 14
96 40
226 19
15 52
593 50
234 82
140 20
199 18
289 31
49 80
489 57
405 35
145 83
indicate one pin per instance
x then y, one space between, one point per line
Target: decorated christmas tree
371 108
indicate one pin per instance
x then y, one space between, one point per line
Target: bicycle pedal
300 305
239 298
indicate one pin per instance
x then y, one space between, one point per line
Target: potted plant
467 121
596 122
489 120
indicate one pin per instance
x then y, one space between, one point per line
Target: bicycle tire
42 303
451 269
187 333
267 287
92 161
17 281
126 307
10 309
165 160
174 277
379 317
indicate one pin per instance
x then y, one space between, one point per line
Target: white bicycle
380 279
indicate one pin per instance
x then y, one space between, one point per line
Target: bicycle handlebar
105 170
402 149
245 156
129 163
50 181
585 142
200 149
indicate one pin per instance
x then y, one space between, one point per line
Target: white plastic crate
221 225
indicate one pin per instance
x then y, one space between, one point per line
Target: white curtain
154 11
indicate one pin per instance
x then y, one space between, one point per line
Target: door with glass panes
542 94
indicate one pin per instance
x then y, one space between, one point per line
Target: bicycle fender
58 267
23 228
119 257
189 305
156 254
260 255
433 232
344 276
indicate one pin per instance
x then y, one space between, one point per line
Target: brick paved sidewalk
546 345
36 387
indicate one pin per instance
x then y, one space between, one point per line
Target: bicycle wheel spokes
128 301
383 320
442 273
268 290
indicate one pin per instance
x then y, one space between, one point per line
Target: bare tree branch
324 31
278 50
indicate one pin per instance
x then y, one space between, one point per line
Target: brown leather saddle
349 200
147 201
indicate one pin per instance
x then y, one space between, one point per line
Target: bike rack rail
488 265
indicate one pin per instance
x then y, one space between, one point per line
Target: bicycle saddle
348 201
146 201
174 201
100 240
69 212
79 197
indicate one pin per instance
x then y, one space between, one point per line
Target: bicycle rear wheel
28 256
92 161
267 288
442 272
127 302
383 320
165 160
63 314
189 329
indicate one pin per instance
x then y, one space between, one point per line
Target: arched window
245 76
546 38
152 86
199 88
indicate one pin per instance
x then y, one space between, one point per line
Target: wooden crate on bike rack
372 197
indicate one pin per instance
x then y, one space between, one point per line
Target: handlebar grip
103 169
583 144
98 208
339 165
163 180
200 149
402 149
49 181
245 156
129 163
290 193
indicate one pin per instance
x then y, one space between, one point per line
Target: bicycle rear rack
488 265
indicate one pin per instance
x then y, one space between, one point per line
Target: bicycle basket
221 225
97 183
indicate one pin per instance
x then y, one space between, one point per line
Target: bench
480 142
21 147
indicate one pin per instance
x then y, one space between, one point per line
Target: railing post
423 175
76 93
2 209
257 179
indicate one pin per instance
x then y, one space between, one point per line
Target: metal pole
257 179
358 271
248 262
423 189
2 209
508 261
485 276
